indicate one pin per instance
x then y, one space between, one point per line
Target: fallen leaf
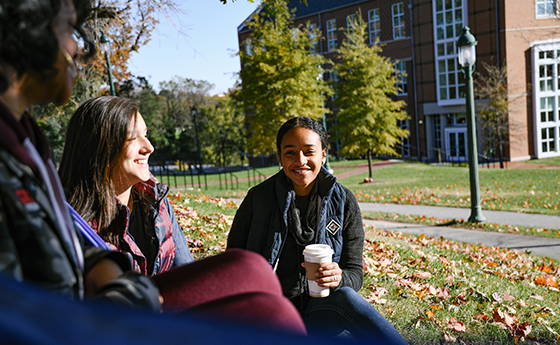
496 297
456 325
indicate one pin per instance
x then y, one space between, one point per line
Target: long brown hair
96 140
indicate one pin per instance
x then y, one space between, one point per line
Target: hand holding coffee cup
322 273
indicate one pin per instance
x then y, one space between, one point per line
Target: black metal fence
184 176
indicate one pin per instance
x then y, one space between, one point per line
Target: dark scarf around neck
304 230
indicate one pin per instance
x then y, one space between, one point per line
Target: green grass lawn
547 161
433 291
519 190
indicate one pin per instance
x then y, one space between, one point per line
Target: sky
204 52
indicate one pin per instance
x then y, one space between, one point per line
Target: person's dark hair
96 141
27 38
303 122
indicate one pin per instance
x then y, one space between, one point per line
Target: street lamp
193 112
106 51
467 58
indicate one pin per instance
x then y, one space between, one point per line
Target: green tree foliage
280 78
494 118
128 26
367 121
179 96
222 132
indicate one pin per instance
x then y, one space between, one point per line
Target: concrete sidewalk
495 217
542 246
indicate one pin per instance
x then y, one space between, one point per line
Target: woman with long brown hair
104 170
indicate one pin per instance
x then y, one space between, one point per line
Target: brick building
420 37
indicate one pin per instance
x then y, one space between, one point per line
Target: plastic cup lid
318 249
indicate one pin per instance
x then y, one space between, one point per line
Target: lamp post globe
467 58
105 47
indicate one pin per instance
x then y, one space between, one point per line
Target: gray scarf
304 230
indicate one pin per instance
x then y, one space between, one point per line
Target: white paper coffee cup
315 256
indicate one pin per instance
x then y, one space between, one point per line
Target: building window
546 89
248 47
374 22
331 34
546 8
398 21
447 28
334 78
545 77
405 141
314 48
437 132
400 76
350 19
547 109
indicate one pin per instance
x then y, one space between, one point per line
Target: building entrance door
456 144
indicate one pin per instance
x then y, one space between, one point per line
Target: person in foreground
301 205
105 173
38 241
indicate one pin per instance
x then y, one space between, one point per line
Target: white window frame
334 79
546 8
546 100
374 26
349 19
405 141
401 78
313 37
331 35
399 24
249 47
448 25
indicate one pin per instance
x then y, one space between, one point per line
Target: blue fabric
182 253
86 230
345 310
29 315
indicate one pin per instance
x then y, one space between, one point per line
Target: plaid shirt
157 207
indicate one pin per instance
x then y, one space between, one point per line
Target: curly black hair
303 122
27 38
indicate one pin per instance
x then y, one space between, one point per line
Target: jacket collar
14 133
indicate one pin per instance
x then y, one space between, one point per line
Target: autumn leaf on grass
376 296
503 318
497 297
456 325
546 280
422 274
481 316
512 324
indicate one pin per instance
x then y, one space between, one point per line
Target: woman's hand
102 273
328 276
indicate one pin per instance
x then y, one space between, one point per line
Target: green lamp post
467 57
106 50
193 112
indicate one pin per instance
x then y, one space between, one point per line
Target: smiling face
57 86
302 156
133 166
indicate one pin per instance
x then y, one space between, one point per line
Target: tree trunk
500 151
370 165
